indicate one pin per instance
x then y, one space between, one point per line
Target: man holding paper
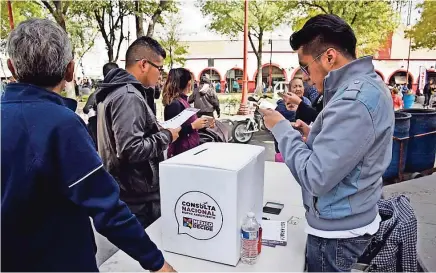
130 141
340 160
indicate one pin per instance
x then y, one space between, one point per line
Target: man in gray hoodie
339 161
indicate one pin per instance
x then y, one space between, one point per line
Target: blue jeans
334 255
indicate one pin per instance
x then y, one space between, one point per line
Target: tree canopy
227 18
372 21
170 40
152 12
423 33
21 10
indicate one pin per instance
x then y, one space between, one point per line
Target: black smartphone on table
273 208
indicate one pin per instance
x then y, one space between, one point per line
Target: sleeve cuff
157 264
168 134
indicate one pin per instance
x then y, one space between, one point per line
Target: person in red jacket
398 102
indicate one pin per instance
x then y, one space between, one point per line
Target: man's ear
69 73
12 69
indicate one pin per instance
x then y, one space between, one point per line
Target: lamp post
11 15
409 14
243 108
270 64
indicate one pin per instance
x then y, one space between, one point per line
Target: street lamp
243 109
11 16
270 64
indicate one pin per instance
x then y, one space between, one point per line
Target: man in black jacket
427 93
130 141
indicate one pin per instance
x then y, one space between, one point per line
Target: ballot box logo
187 222
198 215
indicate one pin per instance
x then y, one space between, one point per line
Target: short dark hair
324 31
108 67
144 47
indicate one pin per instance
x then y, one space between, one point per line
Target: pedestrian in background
340 160
296 87
205 98
90 107
53 180
397 100
427 93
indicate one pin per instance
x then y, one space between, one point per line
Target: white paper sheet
264 104
178 120
274 232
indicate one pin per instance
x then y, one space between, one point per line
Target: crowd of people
57 174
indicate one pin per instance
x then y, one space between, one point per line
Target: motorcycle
243 130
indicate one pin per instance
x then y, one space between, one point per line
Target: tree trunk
155 17
259 86
110 53
171 57
139 22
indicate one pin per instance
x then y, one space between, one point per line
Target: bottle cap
250 214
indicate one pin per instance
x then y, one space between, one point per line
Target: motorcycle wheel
240 134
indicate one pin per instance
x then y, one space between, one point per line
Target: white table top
280 186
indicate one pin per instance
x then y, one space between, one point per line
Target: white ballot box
206 193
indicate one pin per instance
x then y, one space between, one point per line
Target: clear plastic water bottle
249 239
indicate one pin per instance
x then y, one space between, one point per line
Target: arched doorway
380 74
234 79
214 76
298 73
399 77
431 75
277 75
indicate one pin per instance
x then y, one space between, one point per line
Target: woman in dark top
175 100
304 112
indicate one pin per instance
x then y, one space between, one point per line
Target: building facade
223 61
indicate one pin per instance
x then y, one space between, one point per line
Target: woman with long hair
175 100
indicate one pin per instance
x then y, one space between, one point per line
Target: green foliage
423 34
372 21
227 18
170 41
109 17
148 7
21 10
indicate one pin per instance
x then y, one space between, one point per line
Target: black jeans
427 97
334 255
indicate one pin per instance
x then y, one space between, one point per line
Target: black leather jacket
129 141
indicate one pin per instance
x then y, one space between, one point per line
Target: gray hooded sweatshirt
347 151
205 99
